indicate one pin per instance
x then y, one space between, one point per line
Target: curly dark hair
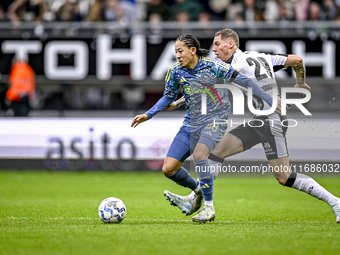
191 41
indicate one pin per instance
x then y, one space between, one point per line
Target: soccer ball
112 210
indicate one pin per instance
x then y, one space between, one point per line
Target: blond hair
229 33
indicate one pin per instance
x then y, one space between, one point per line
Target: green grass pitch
56 213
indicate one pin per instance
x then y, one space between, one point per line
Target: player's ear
193 50
231 44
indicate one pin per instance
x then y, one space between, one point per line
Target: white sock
310 186
209 203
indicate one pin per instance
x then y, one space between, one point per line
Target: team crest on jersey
203 89
199 85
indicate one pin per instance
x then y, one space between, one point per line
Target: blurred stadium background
98 63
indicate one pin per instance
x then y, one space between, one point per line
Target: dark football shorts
268 130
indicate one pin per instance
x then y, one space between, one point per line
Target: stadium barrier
111 144
109 54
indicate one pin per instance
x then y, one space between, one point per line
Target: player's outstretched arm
242 80
296 63
175 105
159 106
139 119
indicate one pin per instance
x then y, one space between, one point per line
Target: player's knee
167 169
199 156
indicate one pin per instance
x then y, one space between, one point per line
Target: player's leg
281 169
237 140
183 178
202 167
209 138
229 145
305 184
275 145
206 178
179 150
173 169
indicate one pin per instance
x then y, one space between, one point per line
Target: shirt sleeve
278 61
242 80
159 106
224 70
169 95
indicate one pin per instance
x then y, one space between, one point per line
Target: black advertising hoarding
104 58
140 57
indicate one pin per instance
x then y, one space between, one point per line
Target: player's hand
171 107
278 107
302 86
139 119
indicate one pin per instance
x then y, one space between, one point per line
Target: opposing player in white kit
272 134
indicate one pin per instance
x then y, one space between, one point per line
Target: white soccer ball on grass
112 210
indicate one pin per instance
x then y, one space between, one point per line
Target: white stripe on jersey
277 131
260 68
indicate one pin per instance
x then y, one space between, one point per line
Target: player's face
185 55
223 48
